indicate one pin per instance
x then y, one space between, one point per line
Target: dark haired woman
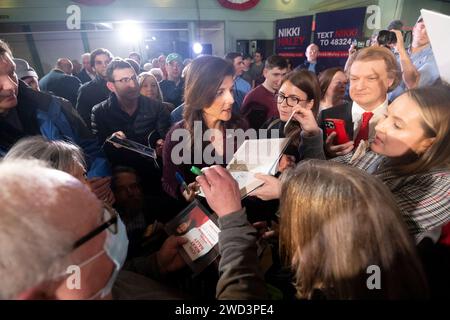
200 139
300 88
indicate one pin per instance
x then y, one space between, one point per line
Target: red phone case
338 126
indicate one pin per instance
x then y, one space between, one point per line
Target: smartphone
338 126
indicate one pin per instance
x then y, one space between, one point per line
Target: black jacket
83 76
90 94
150 122
172 93
343 111
60 84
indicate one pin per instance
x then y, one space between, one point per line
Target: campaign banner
292 37
334 33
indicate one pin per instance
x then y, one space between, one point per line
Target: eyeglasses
109 218
126 79
291 101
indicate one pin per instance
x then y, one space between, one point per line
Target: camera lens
386 37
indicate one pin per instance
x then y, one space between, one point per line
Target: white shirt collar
357 110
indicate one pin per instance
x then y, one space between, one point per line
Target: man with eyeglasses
94 91
78 246
127 114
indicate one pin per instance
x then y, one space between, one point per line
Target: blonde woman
149 87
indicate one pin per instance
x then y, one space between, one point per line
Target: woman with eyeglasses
300 88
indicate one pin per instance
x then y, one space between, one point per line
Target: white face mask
116 247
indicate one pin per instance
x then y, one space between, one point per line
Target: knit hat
23 69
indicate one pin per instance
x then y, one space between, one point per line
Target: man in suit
87 73
373 72
311 63
60 81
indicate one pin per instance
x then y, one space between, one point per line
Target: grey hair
60 155
157 72
33 249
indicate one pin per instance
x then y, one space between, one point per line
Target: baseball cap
174 57
23 69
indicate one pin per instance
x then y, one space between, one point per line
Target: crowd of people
373 194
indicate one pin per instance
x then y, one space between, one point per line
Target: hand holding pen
189 191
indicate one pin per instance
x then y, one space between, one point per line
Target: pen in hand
181 181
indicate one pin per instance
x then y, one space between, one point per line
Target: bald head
312 52
65 65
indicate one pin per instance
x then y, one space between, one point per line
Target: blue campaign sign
292 37
335 32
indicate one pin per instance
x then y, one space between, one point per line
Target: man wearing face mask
79 245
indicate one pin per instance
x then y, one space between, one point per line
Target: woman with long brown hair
208 97
338 227
410 154
340 232
332 88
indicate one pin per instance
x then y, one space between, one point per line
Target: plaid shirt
423 198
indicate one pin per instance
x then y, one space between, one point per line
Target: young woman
149 87
410 154
337 249
299 88
332 88
208 100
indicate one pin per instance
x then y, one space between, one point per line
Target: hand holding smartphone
338 126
